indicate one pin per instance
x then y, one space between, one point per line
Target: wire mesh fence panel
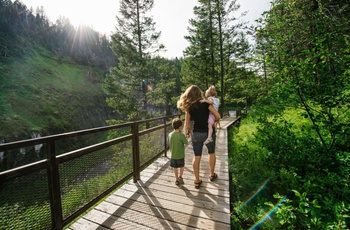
169 129
151 144
81 141
86 177
22 156
24 202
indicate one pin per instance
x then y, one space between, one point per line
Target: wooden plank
188 176
160 218
86 225
188 167
151 217
110 221
182 191
194 200
206 187
170 206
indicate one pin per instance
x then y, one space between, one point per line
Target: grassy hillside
41 93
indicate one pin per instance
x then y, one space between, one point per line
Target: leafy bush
314 180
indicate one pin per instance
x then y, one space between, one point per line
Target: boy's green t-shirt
177 141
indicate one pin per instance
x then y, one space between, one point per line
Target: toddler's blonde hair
211 91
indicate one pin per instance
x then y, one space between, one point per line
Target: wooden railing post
135 151
54 187
165 137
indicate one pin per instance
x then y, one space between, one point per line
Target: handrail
52 161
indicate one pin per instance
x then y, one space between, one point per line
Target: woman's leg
197 143
212 162
196 165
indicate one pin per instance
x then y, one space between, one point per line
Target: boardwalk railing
53 190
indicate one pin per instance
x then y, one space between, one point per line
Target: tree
227 32
243 57
199 64
134 44
212 34
308 52
307 55
164 88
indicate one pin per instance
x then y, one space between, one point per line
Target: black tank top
199 114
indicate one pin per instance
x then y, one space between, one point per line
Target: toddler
210 94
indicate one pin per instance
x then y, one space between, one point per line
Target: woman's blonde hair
211 92
189 97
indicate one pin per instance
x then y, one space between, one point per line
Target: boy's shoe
181 180
208 140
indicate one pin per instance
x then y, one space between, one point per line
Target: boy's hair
176 123
211 92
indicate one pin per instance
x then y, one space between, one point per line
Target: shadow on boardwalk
155 202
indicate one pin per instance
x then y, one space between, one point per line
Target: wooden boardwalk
155 202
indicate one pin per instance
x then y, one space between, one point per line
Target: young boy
177 141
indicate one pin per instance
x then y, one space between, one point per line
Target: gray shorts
197 143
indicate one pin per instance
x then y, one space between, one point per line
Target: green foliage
50 73
21 27
210 56
142 81
310 214
316 186
44 95
311 65
166 85
29 217
302 119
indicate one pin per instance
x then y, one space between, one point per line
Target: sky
171 16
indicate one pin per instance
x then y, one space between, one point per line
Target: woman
198 113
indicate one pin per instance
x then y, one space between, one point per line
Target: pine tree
164 91
199 64
134 43
210 52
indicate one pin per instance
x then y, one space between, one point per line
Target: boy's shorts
177 163
197 143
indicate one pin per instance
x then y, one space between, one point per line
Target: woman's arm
214 112
187 122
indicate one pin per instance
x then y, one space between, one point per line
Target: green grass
41 93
